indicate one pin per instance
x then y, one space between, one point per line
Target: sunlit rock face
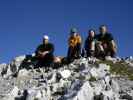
83 79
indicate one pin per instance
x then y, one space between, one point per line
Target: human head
74 32
91 33
45 39
103 29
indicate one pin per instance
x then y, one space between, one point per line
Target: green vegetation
120 68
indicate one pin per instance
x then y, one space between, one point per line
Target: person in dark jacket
74 42
90 43
44 52
106 44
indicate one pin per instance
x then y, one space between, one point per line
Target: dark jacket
107 38
45 47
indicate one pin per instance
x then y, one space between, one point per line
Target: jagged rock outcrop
83 79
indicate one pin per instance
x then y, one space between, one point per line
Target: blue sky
24 22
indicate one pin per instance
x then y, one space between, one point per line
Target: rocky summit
83 79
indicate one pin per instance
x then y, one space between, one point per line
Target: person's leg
37 61
100 53
92 49
49 59
112 53
40 63
109 50
88 53
78 51
70 54
83 54
106 49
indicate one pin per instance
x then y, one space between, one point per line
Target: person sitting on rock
90 44
105 43
44 52
74 42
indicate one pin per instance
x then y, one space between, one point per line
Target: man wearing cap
74 42
44 52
